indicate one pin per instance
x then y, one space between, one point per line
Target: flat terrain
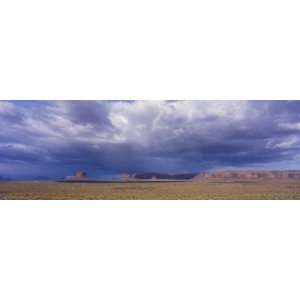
152 190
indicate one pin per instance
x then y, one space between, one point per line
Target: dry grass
172 190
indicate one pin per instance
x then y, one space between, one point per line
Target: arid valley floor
289 189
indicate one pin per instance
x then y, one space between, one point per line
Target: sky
109 138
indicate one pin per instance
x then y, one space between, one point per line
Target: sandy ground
168 190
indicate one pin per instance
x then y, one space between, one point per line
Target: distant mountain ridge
41 178
4 178
158 176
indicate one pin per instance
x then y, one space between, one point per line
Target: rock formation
79 176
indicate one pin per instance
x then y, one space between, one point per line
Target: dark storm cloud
58 137
88 112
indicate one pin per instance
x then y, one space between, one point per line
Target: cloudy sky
106 138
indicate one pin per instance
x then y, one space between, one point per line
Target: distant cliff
216 175
247 175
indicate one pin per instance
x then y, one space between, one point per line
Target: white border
161 50
63 49
149 250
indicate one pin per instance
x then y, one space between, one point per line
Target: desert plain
203 190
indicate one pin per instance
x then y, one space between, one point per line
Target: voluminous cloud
111 137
